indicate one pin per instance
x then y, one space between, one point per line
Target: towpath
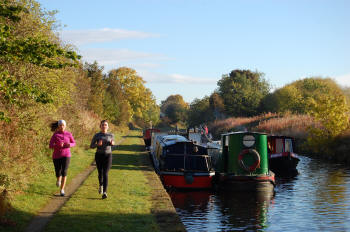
160 205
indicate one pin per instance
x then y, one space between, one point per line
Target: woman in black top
103 157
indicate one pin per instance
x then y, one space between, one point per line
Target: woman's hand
112 142
100 142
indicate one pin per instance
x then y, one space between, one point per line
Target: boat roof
172 139
245 132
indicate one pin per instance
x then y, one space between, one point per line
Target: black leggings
103 163
61 166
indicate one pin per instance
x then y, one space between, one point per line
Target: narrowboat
182 164
243 164
147 136
282 160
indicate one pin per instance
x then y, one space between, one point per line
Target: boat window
197 163
174 162
288 145
279 146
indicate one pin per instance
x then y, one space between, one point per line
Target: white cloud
343 80
152 77
82 37
118 57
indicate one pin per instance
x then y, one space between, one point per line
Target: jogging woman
103 157
61 142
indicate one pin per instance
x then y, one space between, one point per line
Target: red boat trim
191 182
183 173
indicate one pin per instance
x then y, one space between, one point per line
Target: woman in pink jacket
60 142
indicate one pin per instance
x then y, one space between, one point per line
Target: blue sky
185 46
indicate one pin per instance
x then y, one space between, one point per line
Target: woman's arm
93 142
53 143
71 140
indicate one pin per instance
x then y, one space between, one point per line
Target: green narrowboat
243 164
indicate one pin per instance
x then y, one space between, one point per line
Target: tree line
244 93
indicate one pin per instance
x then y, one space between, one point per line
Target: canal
318 199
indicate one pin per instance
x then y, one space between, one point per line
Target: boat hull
187 180
246 183
284 163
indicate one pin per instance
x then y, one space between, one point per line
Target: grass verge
128 206
26 204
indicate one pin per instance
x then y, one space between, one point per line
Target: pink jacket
55 143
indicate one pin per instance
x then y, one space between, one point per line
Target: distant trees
299 96
120 95
242 92
331 114
135 100
175 108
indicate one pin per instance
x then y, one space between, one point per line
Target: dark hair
103 121
54 125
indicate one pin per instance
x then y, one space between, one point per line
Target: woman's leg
99 165
57 165
106 167
65 165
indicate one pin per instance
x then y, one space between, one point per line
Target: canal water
318 199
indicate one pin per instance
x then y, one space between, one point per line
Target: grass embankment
24 205
128 206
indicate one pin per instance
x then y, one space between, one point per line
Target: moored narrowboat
243 164
181 163
282 160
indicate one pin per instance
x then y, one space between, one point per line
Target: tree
20 50
132 89
200 112
98 87
300 95
331 113
217 106
175 108
242 92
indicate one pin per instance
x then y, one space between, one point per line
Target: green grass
43 186
128 206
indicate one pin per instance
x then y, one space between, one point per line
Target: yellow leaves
330 112
140 99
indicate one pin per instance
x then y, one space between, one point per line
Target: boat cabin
176 153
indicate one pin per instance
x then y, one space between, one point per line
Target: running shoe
58 183
104 195
62 193
100 189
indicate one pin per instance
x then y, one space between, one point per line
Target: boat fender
256 156
189 178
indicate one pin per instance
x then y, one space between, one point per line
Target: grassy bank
25 204
128 206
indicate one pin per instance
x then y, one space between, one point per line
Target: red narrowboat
181 163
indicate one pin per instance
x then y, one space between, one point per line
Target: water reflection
318 199
222 211
245 210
